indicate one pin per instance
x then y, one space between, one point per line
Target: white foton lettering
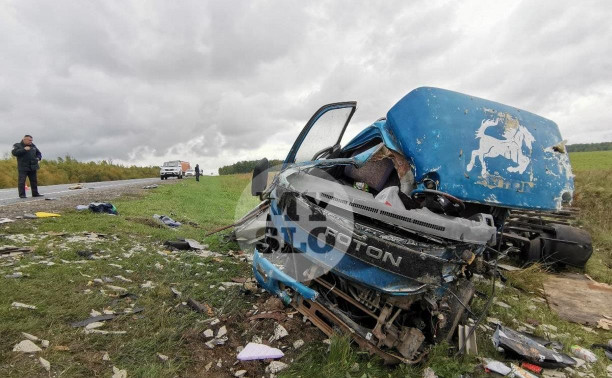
374 252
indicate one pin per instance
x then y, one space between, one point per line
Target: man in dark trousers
28 157
197 172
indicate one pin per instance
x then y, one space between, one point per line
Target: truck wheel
161 177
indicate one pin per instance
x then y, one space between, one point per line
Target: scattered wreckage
379 239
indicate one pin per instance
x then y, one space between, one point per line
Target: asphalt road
10 196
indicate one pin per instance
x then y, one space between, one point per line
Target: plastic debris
255 351
167 220
583 353
519 344
82 207
93 319
26 346
390 197
429 373
497 367
5 220
42 214
531 367
150 186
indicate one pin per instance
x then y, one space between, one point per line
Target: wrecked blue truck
379 238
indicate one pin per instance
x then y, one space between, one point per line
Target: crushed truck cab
379 238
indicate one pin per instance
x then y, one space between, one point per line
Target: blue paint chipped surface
477 150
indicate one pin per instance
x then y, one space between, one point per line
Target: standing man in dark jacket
28 157
197 172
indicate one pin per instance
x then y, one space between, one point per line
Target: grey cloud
222 81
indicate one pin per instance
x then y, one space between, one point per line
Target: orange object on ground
534 368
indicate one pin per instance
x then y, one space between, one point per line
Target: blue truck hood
477 150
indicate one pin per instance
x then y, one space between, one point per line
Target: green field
591 161
61 284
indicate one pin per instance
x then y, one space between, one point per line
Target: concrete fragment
94 313
105 357
208 366
222 332
240 373
208 333
121 278
215 322
44 343
279 333
276 367
219 363
45 364
26 346
297 344
14 275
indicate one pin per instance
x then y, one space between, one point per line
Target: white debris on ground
45 364
279 333
162 357
276 367
22 305
26 346
118 373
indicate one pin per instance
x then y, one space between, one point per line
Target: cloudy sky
214 82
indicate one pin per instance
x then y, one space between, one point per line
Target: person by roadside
197 172
28 156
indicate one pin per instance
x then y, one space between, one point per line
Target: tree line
584 147
245 166
68 170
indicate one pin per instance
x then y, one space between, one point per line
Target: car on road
171 169
190 173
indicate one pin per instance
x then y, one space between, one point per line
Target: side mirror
260 177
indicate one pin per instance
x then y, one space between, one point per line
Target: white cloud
216 82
